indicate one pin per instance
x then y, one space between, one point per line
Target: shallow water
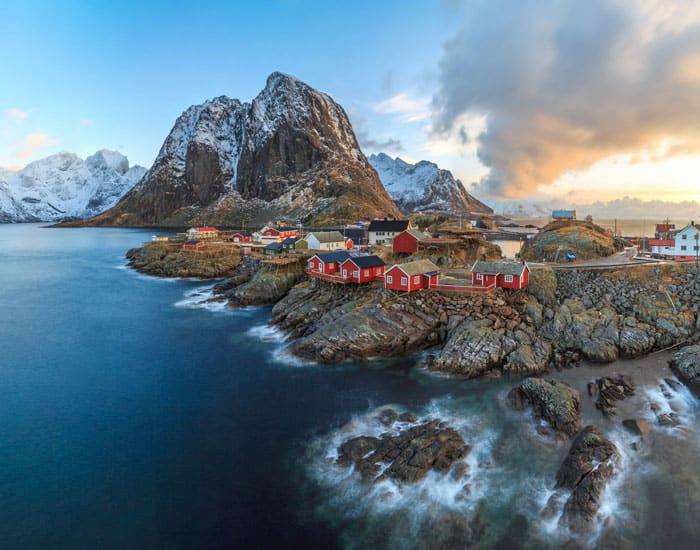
136 412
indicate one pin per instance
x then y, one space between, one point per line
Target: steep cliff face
291 152
423 187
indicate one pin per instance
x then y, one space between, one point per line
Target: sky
564 101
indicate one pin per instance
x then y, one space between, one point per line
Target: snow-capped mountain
423 187
65 186
290 152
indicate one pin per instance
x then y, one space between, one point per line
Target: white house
327 240
683 244
383 231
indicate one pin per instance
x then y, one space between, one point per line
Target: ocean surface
132 415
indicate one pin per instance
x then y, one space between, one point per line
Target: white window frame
508 278
416 279
404 281
479 277
388 279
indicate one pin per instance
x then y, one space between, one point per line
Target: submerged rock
407 455
585 471
686 365
555 402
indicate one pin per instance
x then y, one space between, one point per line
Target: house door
345 273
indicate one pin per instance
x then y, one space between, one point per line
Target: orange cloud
31 143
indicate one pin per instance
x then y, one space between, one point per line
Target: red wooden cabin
241 238
326 263
193 245
362 269
501 274
411 276
407 241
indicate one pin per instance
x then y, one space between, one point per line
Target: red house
193 245
241 238
406 242
269 234
411 276
326 263
362 269
501 274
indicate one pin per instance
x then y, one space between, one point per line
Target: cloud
410 109
564 84
86 122
33 142
17 115
378 145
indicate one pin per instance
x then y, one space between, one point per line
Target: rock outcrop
591 462
555 402
170 260
290 152
408 455
686 365
585 239
610 390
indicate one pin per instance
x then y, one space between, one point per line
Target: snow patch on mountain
65 186
424 187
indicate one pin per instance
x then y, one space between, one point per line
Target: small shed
272 249
242 237
407 241
411 276
289 243
326 263
193 245
563 214
501 274
363 269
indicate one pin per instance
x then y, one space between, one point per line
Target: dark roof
243 233
193 242
364 262
285 228
388 225
273 246
290 240
503 268
333 257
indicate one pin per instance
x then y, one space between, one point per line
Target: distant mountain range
424 187
64 186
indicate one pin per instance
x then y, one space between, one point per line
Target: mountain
290 153
65 186
423 187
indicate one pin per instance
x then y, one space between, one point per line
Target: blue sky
544 99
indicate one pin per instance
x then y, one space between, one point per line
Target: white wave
279 353
267 333
203 298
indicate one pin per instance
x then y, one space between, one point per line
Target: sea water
135 412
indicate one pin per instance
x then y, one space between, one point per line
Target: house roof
192 243
364 262
419 235
502 268
327 236
417 267
662 242
203 229
395 226
563 213
332 257
273 246
241 233
290 240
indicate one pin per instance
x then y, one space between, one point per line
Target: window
366 272
388 279
479 277
356 274
683 247
416 279
695 247
378 271
404 281
508 278
684 237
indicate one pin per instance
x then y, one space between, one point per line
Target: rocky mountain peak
290 152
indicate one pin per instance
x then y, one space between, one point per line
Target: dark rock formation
555 402
686 366
408 455
170 260
291 152
585 471
587 240
611 390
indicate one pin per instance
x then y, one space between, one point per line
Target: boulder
589 465
555 402
637 427
686 366
611 390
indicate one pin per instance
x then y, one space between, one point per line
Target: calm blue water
129 422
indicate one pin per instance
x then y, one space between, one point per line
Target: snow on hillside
65 186
424 186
